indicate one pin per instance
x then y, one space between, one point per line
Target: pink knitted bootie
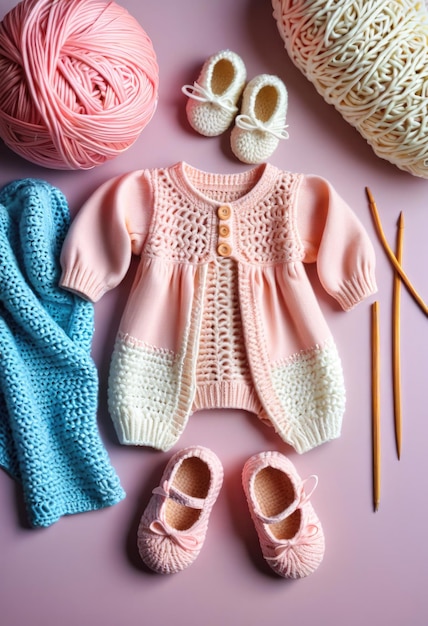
289 531
173 526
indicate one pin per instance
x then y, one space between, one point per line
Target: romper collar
254 183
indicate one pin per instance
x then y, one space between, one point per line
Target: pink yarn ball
79 81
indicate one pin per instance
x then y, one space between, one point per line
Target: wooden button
224 230
224 249
224 212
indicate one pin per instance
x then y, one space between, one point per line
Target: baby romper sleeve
336 240
108 229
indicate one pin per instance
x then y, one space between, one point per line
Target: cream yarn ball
368 58
79 81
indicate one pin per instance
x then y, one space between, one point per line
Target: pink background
85 569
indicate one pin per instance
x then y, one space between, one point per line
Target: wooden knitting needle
376 404
396 323
391 254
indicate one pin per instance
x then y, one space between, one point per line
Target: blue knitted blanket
49 438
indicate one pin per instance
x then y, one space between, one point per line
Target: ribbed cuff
226 395
82 282
134 431
354 291
310 433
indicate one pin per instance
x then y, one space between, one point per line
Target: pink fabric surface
85 569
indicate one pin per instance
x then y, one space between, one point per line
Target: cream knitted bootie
213 98
261 123
173 526
289 531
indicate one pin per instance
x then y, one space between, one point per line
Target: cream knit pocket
143 393
311 390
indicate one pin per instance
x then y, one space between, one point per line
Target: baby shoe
213 98
289 531
173 526
261 123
